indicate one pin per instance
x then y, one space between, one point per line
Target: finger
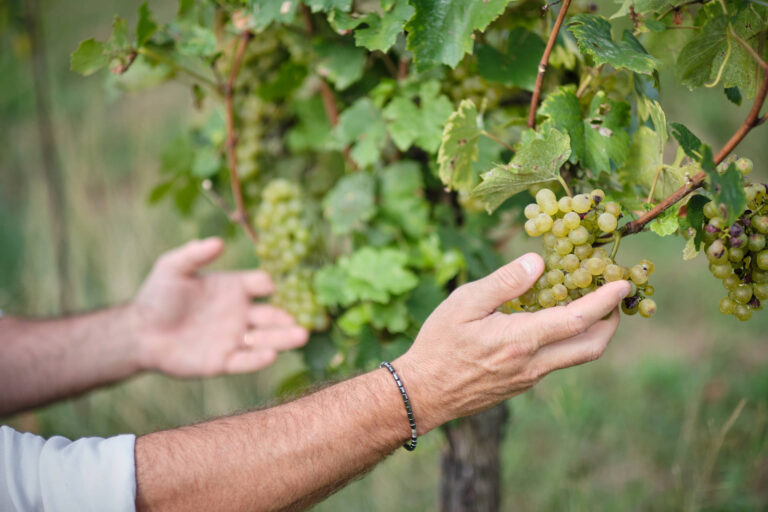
256 283
563 322
278 338
264 315
480 298
192 256
584 348
242 361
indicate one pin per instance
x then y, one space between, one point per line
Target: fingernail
528 262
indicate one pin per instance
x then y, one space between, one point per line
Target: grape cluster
737 253
570 227
284 244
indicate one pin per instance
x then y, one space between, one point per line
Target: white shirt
58 475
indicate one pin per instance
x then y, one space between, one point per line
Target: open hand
191 324
468 356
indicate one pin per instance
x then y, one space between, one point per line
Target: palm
200 325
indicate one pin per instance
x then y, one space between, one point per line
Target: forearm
45 360
284 458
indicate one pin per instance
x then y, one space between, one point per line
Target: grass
642 429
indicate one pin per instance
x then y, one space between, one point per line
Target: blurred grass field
642 429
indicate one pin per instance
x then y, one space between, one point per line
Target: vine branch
544 61
753 119
240 215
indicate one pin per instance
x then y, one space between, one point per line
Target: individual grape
581 203
612 208
583 251
579 236
711 210
613 272
543 222
547 201
569 282
760 223
531 229
741 293
599 252
559 229
744 165
595 266
762 260
649 290
756 242
546 298
553 261
717 222
564 204
560 292
570 262
731 282
638 275
720 271
563 246
548 240
630 305
555 277
647 265
736 254
647 308
759 276
742 312
597 196
760 290
571 220
607 222
531 211
582 278
726 306
716 252
529 298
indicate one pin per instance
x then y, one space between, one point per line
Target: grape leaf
459 147
640 7
518 66
562 108
645 160
727 188
362 125
88 58
605 134
327 284
593 35
694 63
327 5
313 131
402 197
146 26
355 318
537 161
393 317
665 224
341 64
424 299
690 143
382 31
384 269
423 126
350 203
440 31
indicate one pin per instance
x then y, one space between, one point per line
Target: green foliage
518 65
459 147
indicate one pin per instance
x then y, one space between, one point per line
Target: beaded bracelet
411 445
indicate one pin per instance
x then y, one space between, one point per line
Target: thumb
481 298
190 257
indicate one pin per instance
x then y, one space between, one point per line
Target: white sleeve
58 475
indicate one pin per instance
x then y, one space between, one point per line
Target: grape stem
240 215
544 61
753 119
616 242
497 140
565 185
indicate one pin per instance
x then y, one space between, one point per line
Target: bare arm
181 323
466 358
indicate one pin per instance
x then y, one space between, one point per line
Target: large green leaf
727 188
562 108
146 26
694 63
605 134
402 198
351 203
341 64
537 161
593 34
518 66
267 11
459 147
441 30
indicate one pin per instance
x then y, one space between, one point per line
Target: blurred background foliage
645 428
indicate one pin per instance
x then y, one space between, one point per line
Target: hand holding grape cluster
570 227
737 253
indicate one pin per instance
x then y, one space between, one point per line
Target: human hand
468 356
190 324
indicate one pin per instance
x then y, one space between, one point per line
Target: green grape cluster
284 245
570 227
737 253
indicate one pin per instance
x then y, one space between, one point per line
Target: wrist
141 338
424 396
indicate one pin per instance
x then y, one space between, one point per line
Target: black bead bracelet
410 445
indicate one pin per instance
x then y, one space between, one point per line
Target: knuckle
511 276
575 323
